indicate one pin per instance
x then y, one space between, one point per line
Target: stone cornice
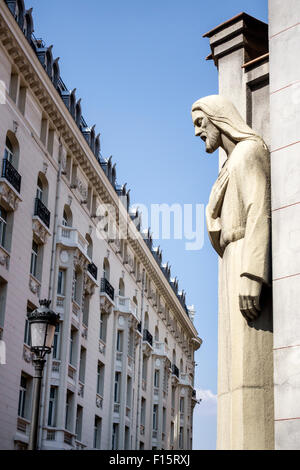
26 61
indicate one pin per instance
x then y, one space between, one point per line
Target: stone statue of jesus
239 226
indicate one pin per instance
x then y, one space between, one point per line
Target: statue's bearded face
207 131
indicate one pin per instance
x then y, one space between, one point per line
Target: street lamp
42 323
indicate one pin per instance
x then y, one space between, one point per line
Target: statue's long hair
224 115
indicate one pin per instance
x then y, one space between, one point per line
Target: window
181 405
164 424
131 343
78 428
117 387
69 401
67 219
172 433
56 343
173 397
120 341
127 438
61 280
129 392
143 412
8 151
72 347
181 438
156 378
82 365
23 410
115 436
100 378
3 225
155 417
106 269
52 407
39 190
103 326
85 310
77 287
144 371
27 335
97 432
121 288
34 258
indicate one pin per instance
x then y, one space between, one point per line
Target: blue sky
138 67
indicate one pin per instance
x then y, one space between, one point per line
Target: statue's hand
250 290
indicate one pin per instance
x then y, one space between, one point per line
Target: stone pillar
284 39
245 366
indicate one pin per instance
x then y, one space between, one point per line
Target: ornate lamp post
42 322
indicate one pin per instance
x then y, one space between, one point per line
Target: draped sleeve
252 178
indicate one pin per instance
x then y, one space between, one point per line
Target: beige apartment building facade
121 373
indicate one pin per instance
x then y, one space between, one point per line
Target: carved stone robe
238 222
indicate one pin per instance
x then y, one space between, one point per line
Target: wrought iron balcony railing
42 212
93 270
11 175
147 337
175 370
107 288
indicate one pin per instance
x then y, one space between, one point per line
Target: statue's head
206 130
215 115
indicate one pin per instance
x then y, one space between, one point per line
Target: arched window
42 188
11 151
67 220
121 288
156 334
106 269
8 151
181 366
39 189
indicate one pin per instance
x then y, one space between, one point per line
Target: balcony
185 380
147 336
175 371
10 185
147 342
41 211
93 270
161 349
107 294
107 288
11 175
125 305
70 237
